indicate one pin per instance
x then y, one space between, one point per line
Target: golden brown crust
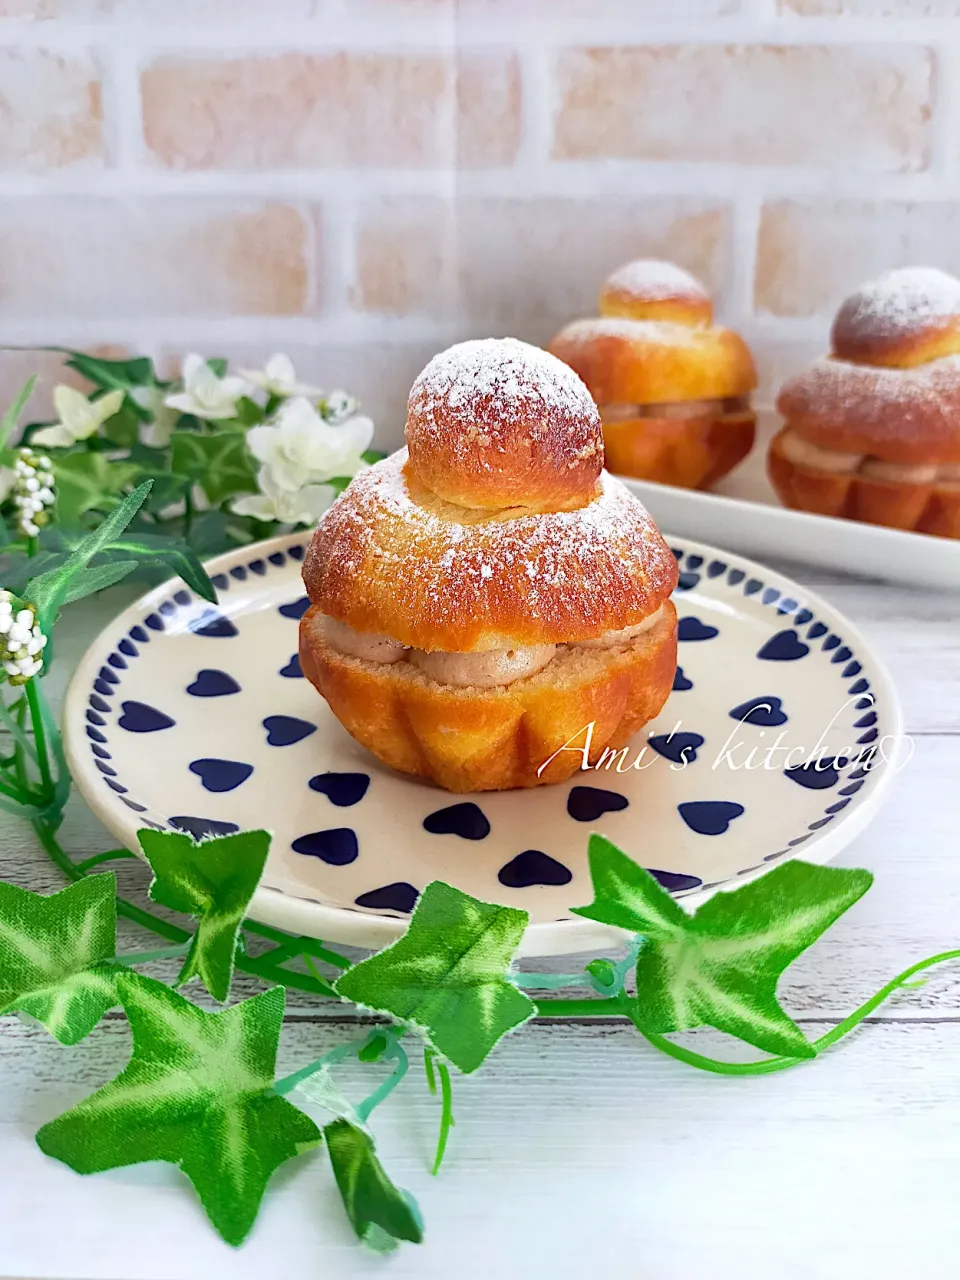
492 739
692 453
899 415
649 362
923 508
497 423
905 318
649 289
391 558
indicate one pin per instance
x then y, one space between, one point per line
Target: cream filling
486 670
804 454
617 412
361 644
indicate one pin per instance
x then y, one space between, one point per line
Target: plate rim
359 928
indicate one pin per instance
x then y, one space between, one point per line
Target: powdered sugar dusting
506 377
562 576
898 404
900 301
654 280
661 332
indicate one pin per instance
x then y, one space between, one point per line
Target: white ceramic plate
185 716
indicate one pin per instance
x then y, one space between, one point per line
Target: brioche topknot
649 289
495 423
904 318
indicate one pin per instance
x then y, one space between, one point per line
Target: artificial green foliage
170 555
221 464
54 954
111 375
381 1213
213 881
12 416
447 975
720 966
199 1090
49 590
198 1093
89 482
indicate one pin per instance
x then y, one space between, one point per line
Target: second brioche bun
672 388
465 642
873 430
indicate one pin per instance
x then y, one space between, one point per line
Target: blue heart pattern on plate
792 633
284 731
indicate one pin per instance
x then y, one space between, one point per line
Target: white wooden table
578 1149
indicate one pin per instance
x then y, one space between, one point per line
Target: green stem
384 1090
771 1065
16 730
187 511
544 981
112 855
33 546
428 1071
40 737
446 1115
306 946
599 1008
328 989
288 1083
144 957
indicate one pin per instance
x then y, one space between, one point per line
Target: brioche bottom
923 508
469 739
691 453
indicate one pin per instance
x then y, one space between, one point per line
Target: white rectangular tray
743 513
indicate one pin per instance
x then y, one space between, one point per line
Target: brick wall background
361 182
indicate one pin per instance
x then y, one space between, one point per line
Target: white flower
33 491
155 434
204 394
299 448
80 418
279 378
21 640
338 406
290 506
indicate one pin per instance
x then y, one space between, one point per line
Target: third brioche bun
873 430
672 388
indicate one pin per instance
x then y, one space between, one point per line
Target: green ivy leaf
213 881
87 481
52 951
447 975
381 1213
167 489
48 590
124 427
220 464
111 374
198 1093
249 413
720 967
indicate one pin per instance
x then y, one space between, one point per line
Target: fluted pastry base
496 739
691 453
923 508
